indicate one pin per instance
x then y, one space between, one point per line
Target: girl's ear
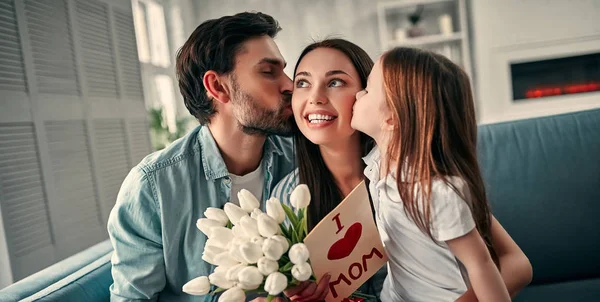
388 123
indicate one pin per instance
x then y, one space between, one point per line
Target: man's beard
255 120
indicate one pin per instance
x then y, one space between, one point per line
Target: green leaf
229 225
286 268
294 238
291 215
216 291
284 231
301 213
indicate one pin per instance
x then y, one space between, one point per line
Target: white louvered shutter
96 45
24 203
140 140
12 73
130 64
51 46
113 162
78 226
72 123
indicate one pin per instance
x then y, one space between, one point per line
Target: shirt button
227 180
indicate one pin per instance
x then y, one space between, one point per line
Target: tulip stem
269 298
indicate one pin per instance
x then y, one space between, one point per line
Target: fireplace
554 77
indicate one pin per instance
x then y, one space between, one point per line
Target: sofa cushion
580 291
90 287
90 283
543 181
54 273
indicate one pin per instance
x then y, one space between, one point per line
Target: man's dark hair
213 46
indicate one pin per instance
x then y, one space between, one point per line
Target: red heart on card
344 247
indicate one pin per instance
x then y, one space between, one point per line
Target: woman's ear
216 86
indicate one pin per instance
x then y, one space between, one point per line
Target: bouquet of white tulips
254 251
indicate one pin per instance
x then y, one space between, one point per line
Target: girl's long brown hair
433 113
312 170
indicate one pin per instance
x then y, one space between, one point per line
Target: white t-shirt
253 182
420 269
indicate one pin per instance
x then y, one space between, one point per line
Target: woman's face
325 87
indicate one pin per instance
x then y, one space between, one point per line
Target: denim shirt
157 247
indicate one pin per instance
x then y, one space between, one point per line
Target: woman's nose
317 98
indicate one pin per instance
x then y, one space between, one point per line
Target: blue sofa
543 178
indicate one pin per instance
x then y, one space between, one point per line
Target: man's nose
287 86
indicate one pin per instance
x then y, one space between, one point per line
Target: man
230 74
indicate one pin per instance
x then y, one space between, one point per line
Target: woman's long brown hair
433 113
311 168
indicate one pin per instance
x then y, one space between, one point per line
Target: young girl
430 202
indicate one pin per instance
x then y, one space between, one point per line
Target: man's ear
216 86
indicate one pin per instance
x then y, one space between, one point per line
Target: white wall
307 20
518 30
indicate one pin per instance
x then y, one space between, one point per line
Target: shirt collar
212 161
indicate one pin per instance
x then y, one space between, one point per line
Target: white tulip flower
250 252
238 232
283 241
214 250
267 226
210 258
275 284
232 272
235 253
250 278
205 225
217 214
302 271
298 253
249 226
234 212
267 266
258 240
234 294
219 279
256 213
223 235
248 201
300 197
275 210
272 249
197 286
225 259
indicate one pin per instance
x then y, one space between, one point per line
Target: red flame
568 89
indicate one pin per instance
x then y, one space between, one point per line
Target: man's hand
309 291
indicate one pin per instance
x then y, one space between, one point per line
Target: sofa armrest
56 273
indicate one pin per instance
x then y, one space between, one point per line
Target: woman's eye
336 83
301 84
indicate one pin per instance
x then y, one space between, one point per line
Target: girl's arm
485 278
515 268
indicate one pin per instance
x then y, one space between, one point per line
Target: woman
326 78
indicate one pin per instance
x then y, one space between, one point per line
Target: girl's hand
309 291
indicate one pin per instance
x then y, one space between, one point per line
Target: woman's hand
309 291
